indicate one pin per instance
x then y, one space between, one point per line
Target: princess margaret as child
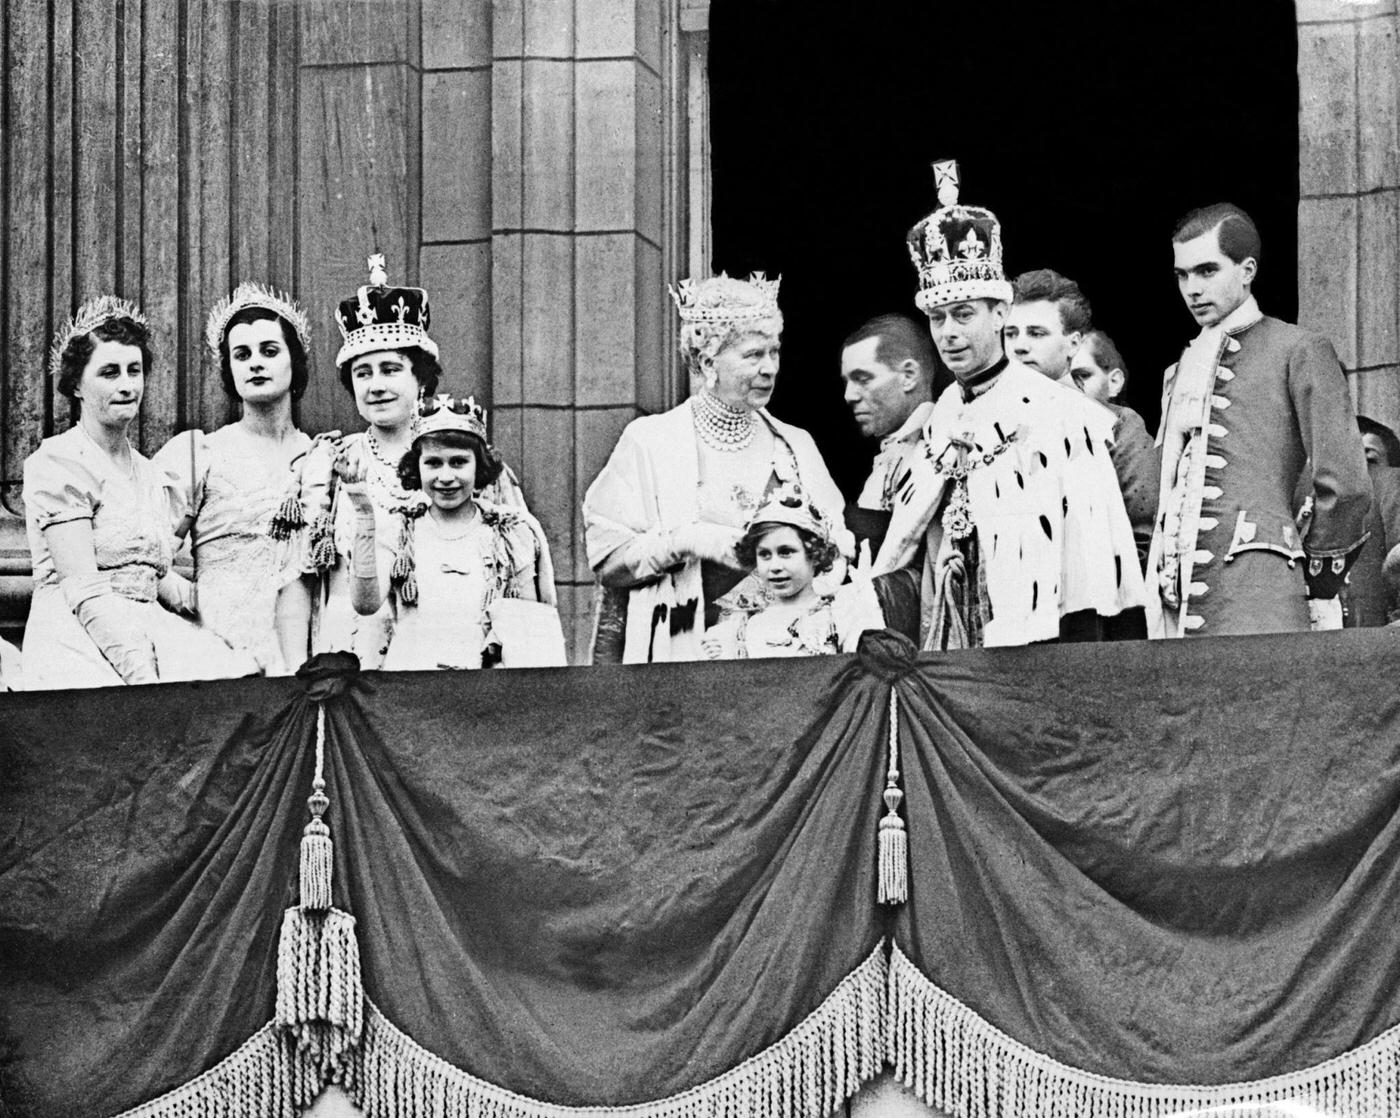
787 546
457 557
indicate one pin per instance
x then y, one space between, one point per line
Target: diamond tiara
88 318
248 294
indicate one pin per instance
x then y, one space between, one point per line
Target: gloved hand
177 594
651 553
703 540
112 622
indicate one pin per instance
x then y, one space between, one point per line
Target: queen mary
663 517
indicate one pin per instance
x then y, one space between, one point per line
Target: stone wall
1349 179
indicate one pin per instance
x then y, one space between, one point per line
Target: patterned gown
240 568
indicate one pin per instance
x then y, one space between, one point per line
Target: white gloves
654 552
112 622
176 594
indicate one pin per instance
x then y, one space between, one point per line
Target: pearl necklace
719 426
378 453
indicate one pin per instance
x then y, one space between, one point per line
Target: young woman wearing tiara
107 609
458 559
244 520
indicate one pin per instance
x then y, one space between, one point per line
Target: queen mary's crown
957 249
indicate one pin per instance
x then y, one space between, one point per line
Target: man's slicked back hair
1239 237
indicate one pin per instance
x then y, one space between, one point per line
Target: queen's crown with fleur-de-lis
382 317
445 412
957 249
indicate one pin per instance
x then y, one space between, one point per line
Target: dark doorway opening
1088 127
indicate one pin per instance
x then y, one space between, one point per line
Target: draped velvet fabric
1174 862
589 887
1168 862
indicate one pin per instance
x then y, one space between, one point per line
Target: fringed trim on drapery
267 1076
955 1060
807 1074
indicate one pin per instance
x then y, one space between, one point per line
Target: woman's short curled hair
820 553
426 369
488 462
290 339
78 351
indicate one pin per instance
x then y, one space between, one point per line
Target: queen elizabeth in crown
663 517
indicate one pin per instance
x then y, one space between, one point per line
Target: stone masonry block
1376 393
1378 296
507 185
458 279
547 145
456 33
547 475
1328 113
1334 11
649 33
1327 271
507 28
1379 105
507 319
457 155
605 302
348 31
549 28
607 29
651 158
606 138
653 308
507 429
547 319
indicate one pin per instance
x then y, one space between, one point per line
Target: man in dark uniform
1250 402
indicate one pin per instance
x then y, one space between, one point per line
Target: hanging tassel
322 546
401 574
319 994
316 853
894 839
287 519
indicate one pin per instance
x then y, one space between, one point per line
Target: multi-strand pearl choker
719 426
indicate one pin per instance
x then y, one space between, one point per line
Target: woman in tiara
244 518
107 608
664 515
458 560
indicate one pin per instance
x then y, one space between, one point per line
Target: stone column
455 250
577 276
1349 187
